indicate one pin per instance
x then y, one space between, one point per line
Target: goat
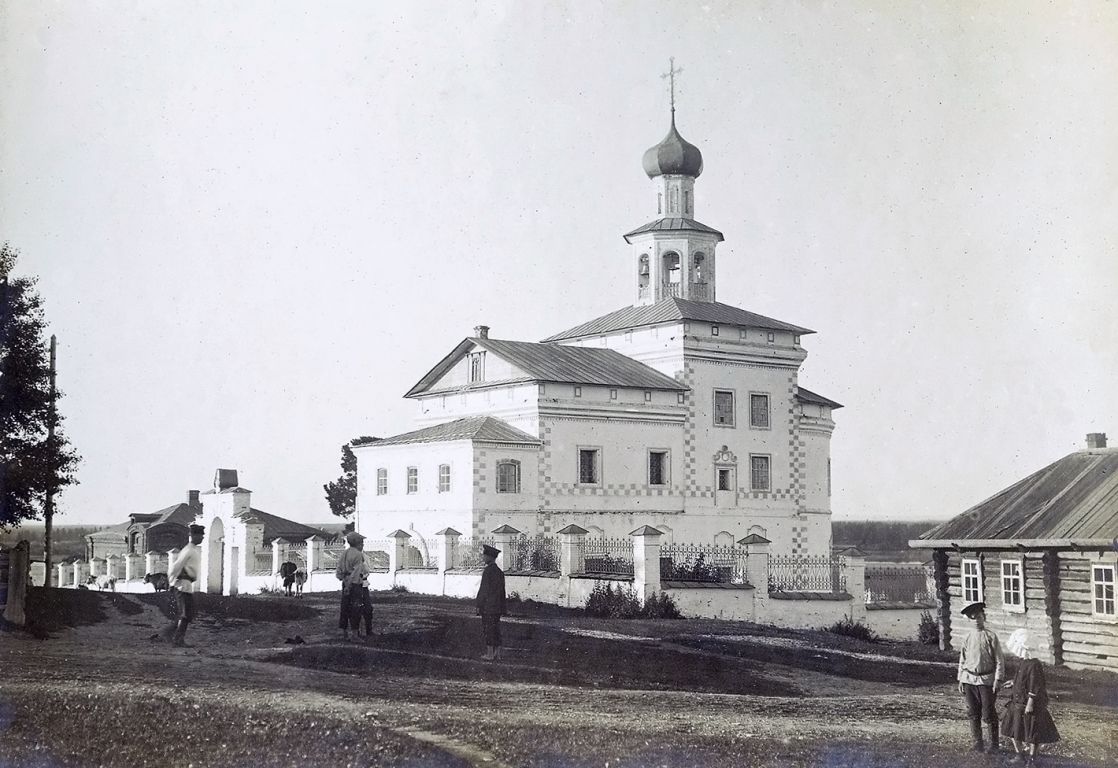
158 580
103 582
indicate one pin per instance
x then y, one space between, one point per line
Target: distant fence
703 563
907 583
802 573
602 556
466 552
535 553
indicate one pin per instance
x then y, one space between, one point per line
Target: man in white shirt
981 671
183 574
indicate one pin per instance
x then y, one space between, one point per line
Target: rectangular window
382 482
578 391
413 480
723 408
714 330
742 334
759 411
725 479
759 473
1102 590
477 366
444 478
771 337
1013 592
508 476
972 581
657 467
680 398
613 394
588 470
648 396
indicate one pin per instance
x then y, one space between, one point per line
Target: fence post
504 539
854 569
396 551
314 553
112 565
81 573
151 562
96 566
277 555
757 572
570 546
448 545
63 572
646 561
131 565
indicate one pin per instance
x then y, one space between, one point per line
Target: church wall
815 433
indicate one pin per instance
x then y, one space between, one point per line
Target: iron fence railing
612 557
899 583
466 552
262 561
535 553
805 573
703 563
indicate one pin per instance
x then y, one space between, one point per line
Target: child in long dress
1026 720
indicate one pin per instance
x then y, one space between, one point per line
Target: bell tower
674 254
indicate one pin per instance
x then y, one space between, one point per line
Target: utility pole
48 505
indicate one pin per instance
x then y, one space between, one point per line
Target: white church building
677 412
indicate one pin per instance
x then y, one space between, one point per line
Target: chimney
225 478
481 331
192 498
1096 440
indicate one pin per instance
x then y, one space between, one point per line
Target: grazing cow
158 580
103 582
300 580
287 571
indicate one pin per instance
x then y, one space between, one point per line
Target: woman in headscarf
1026 720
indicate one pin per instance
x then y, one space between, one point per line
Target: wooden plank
1089 661
1077 645
1095 624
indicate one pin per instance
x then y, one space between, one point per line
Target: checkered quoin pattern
481 481
690 481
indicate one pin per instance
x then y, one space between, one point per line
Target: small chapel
676 411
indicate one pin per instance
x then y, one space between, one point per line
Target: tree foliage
341 494
30 462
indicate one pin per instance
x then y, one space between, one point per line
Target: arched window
508 476
642 271
724 539
700 267
671 268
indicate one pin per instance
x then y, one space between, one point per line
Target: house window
759 473
680 398
648 395
508 476
613 394
382 481
588 469
657 467
742 333
723 408
796 340
725 479
413 479
759 411
578 391
714 330
477 366
771 337
1013 592
1102 590
972 581
444 478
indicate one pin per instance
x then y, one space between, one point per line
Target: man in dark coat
491 603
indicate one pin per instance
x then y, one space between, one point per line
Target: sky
256 225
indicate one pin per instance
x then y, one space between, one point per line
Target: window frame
444 487
476 367
1004 583
753 486
768 425
665 467
1096 583
597 450
978 590
413 481
382 481
733 408
731 473
515 464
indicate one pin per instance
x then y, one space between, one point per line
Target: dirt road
573 691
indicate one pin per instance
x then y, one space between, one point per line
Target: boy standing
981 671
182 574
491 602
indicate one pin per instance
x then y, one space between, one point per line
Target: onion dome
674 155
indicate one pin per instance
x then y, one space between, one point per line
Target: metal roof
673 310
1075 498
673 225
479 429
807 396
556 363
276 527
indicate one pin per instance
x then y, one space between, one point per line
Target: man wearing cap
351 571
491 602
981 671
183 574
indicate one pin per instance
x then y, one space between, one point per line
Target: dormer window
477 366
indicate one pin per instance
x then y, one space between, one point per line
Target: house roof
673 225
673 310
807 396
182 514
556 363
479 429
1073 501
276 527
118 531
